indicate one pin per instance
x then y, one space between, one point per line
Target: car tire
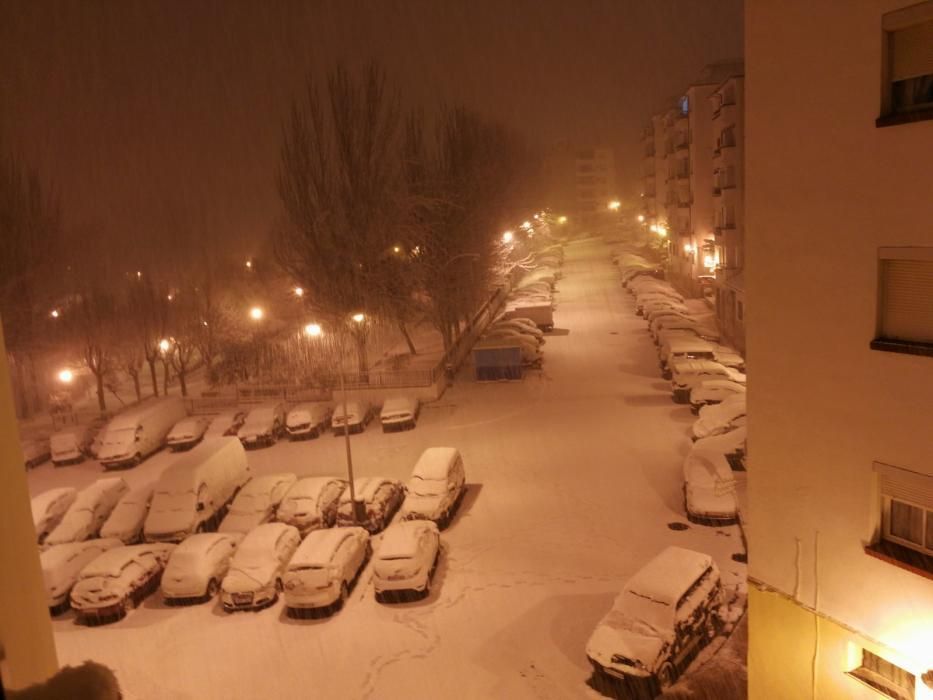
213 588
666 675
344 594
128 604
137 460
278 586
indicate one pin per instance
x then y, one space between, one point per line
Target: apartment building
727 103
839 278
581 180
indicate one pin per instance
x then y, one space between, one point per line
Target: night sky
148 116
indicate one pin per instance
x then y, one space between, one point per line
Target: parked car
523 325
187 433
731 445
436 486
506 329
197 566
673 349
355 419
716 419
138 432
61 565
226 424
729 358
324 568
541 313
35 451
193 492
308 420
263 426
48 509
399 413
713 391
311 503
117 581
405 559
254 579
90 509
379 499
686 374
125 523
709 489
653 306
528 346
256 502
666 611
70 445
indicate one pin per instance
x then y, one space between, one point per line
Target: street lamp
66 376
358 318
507 237
562 219
641 218
249 264
299 292
614 205
256 313
55 313
313 330
164 345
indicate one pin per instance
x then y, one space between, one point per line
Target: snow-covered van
71 444
665 613
138 432
436 486
193 493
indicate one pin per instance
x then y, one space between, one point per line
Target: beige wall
826 189
25 628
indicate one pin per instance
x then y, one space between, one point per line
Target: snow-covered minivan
437 483
138 432
665 613
193 493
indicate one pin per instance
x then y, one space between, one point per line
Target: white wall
825 189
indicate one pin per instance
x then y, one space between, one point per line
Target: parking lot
573 474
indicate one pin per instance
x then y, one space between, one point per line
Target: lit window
905 301
887 678
906 518
908 65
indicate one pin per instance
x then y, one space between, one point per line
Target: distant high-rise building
581 180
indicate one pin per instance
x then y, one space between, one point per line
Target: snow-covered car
70 445
720 418
48 509
654 306
687 374
683 348
196 567
405 559
226 424
729 358
378 498
125 523
506 338
355 419
399 413
308 420
62 563
187 433
731 445
263 426
254 579
666 611
35 451
671 320
90 510
522 325
505 329
709 489
117 581
713 391
435 487
256 502
311 503
324 568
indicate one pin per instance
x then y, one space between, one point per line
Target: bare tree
342 190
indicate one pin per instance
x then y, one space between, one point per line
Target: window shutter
906 485
912 51
907 300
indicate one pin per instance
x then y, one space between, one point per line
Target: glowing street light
641 218
688 248
299 292
526 225
249 264
661 230
55 313
170 297
313 330
256 313
164 345
507 237
614 205
562 219
396 249
66 376
358 318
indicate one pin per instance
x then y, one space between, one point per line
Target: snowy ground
573 476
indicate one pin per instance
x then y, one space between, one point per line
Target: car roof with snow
131 417
399 403
365 488
668 576
309 486
711 464
434 462
259 485
90 494
263 537
319 546
353 407
725 443
201 543
737 387
41 502
262 413
309 408
400 540
60 554
113 561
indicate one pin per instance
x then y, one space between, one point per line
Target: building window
740 310
907 91
906 519
888 679
905 301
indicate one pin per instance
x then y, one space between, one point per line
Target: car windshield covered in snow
173 501
635 608
427 487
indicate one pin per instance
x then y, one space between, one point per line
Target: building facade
581 180
839 278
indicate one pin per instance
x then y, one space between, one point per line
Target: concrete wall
826 189
25 627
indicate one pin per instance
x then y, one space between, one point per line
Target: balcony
681 140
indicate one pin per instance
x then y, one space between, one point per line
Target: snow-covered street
573 477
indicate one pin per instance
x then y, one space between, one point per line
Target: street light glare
614 205
526 225
358 318
507 237
299 291
256 313
55 313
641 218
164 345
65 376
313 330
562 219
396 249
